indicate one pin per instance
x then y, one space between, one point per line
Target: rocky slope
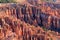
12 28
29 21
46 15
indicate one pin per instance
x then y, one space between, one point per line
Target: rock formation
26 22
35 15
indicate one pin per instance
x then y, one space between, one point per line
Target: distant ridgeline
14 1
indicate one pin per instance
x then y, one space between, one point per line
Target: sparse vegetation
7 1
45 29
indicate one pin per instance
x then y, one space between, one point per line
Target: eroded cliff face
12 28
42 15
23 22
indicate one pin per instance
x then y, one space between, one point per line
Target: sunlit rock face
21 1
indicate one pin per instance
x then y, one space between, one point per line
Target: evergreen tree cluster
7 1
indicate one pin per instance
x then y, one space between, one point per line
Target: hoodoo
30 20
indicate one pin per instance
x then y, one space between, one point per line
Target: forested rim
7 1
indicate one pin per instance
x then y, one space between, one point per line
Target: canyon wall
42 15
23 22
